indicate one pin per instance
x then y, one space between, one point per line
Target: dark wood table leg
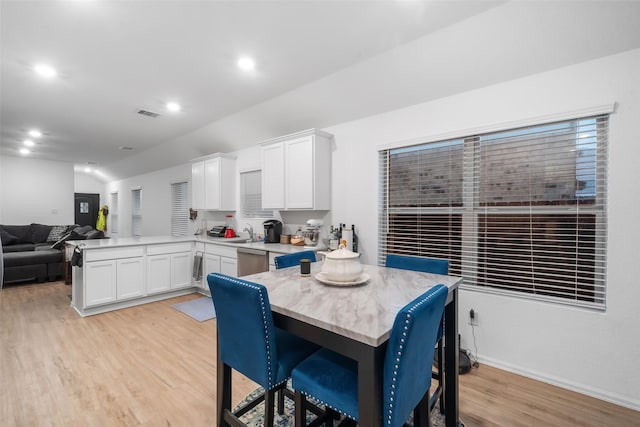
223 394
451 360
370 363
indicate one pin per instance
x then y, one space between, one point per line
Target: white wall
33 190
589 351
87 183
155 197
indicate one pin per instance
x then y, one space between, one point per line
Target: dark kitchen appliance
217 231
272 231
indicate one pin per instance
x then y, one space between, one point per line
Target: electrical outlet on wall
473 317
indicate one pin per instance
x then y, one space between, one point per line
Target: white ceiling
319 63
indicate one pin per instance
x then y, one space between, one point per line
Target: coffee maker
272 231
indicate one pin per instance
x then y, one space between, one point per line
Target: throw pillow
7 238
56 233
40 232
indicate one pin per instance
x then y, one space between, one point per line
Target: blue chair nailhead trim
399 356
264 324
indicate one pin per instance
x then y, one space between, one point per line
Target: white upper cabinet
296 171
273 176
213 183
197 185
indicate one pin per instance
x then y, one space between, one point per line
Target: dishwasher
252 261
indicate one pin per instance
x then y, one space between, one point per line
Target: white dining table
356 321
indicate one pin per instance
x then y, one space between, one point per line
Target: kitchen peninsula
123 272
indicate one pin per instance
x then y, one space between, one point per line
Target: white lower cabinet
112 275
211 265
158 273
229 266
168 267
220 259
100 279
130 281
181 270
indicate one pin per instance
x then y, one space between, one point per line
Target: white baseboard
563 383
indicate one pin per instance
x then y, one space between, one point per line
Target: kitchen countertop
154 240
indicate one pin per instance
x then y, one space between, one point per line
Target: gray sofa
36 251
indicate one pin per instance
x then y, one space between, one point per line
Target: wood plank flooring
153 366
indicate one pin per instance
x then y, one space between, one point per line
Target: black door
86 209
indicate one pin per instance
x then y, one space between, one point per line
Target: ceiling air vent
148 113
125 148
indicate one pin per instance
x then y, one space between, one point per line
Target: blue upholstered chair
417 263
332 378
289 260
436 266
249 342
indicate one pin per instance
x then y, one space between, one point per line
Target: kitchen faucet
249 229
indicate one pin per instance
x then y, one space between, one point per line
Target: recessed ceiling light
173 106
28 143
24 151
45 70
35 133
246 63
87 170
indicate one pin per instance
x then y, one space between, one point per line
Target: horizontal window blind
179 209
113 214
136 212
521 212
251 195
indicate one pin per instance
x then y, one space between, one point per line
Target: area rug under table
200 309
255 417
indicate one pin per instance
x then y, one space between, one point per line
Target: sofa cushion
56 233
18 247
42 246
21 232
45 256
40 232
7 238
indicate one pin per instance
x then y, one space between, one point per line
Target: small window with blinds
251 195
179 209
136 212
114 225
519 212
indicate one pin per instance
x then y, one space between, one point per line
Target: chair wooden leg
224 392
422 412
300 410
281 400
269 400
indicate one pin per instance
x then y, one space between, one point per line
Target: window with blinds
179 209
521 212
113 214
251 195
136 212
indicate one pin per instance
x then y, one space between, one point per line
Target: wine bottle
355 238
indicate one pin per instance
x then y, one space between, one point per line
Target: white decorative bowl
342 266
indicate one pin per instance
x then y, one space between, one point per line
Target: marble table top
364 312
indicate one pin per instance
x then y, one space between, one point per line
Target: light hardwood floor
153 366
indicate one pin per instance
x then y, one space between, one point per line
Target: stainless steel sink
236 240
